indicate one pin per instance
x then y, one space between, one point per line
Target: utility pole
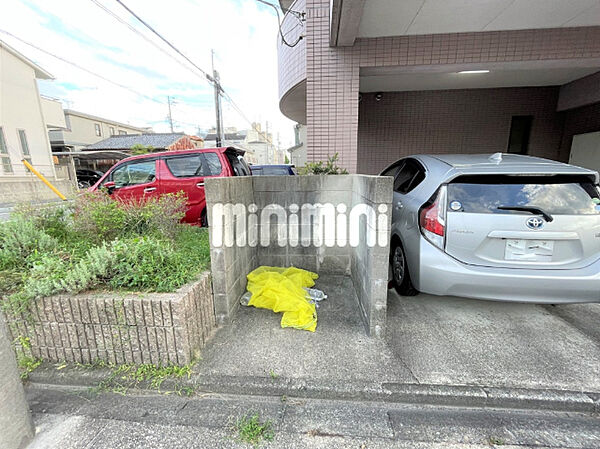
220 138
170 115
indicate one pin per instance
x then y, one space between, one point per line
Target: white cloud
243 34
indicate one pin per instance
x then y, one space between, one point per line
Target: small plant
250 429
27 365
329 167
124 377
496 441
273 374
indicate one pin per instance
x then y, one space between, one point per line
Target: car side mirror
110 186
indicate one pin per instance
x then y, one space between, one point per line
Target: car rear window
561 196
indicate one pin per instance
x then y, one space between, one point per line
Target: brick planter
156 328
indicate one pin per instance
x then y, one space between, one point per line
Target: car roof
272 165
180 152
454 165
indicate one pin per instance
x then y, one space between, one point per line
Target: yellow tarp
281 290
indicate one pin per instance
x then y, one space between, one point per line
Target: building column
332 82
16 428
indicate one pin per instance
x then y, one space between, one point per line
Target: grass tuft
250 429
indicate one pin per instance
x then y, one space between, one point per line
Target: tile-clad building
375 81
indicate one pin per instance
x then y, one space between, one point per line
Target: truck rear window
561 196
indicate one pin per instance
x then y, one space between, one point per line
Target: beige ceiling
401 17
551 73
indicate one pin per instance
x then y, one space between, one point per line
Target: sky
242 33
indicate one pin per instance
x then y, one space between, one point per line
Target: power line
66 61
298 15
143 36
210 78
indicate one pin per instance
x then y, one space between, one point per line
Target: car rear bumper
440 274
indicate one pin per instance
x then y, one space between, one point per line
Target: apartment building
24 118
85 129
377 80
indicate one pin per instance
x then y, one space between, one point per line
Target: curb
389 392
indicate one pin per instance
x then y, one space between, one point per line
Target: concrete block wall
153 328
229 265
369 264
16 428
267 194
16 190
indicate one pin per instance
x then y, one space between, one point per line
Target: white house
23 131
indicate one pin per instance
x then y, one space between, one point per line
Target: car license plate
529 250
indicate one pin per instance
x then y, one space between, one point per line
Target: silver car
502 227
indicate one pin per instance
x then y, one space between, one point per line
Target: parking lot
444 340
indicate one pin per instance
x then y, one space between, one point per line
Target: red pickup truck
154 174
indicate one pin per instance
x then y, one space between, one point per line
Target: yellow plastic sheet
281 290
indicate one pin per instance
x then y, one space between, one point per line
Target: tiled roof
126 141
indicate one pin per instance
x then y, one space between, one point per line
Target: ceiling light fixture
464 72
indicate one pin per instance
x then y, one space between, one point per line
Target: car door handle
200 184
149 189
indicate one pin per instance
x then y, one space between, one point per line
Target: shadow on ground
430 340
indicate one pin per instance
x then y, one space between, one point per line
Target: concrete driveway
446 340
430 341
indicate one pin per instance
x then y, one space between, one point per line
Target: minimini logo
299 225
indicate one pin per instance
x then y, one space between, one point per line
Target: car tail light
432 219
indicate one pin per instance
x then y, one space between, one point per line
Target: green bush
21 240
99 242
329 167
144 263
98 217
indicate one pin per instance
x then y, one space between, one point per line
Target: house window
4 157
112 130
98 129
520 129
122 133
24 145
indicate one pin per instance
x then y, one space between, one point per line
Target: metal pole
43 179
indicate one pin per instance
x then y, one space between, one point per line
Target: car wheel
203 219
400 274
84 185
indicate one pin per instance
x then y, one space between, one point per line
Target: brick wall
579 121
333 73
454 121
156 328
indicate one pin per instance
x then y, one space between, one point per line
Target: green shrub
140 246
329 167
98 217
21 241
143 263
55 220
